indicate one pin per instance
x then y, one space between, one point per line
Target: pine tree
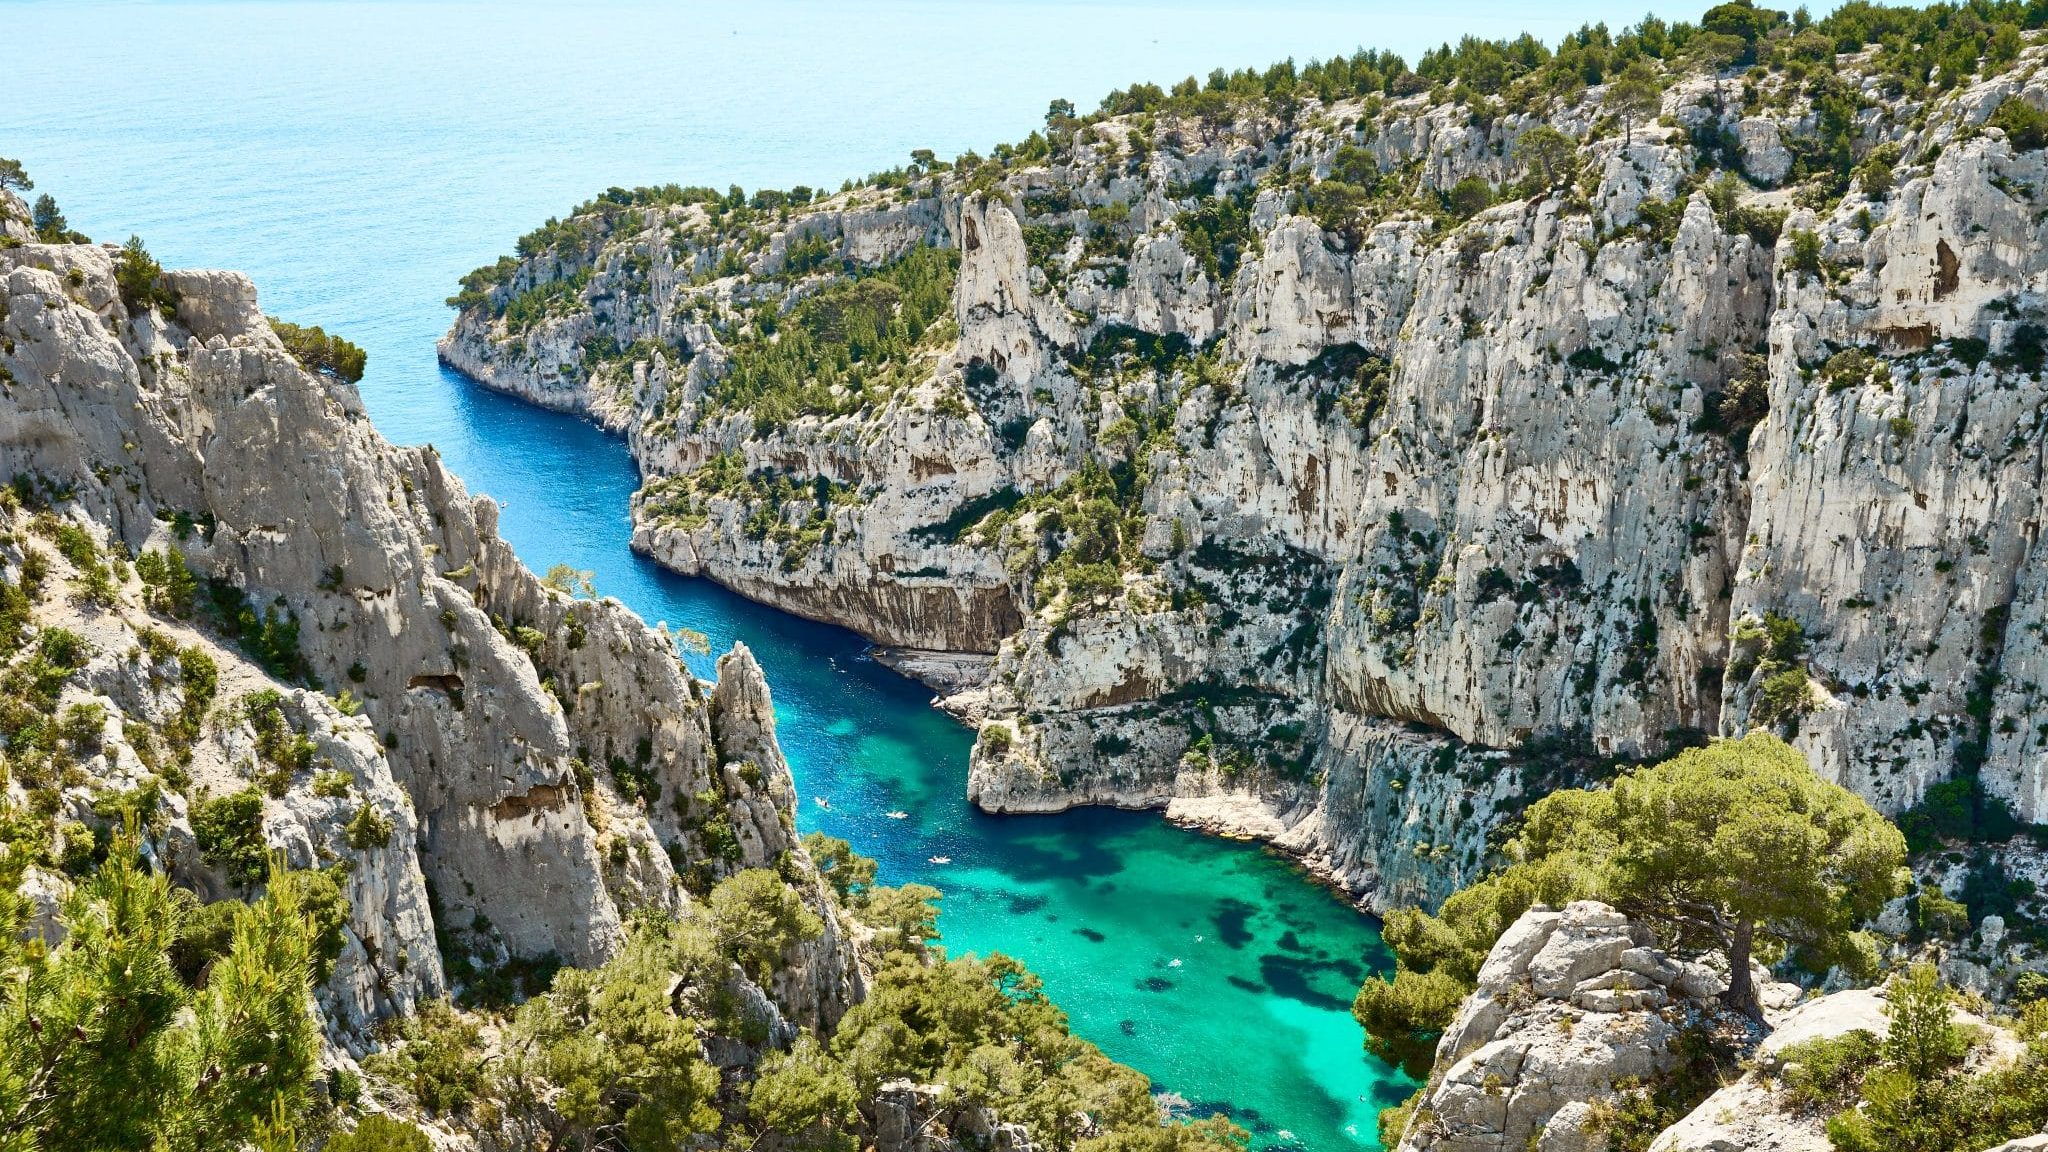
103 1045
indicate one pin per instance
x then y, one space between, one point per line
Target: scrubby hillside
1347 454
317 806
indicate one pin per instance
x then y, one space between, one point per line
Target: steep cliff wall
483 756
1344 470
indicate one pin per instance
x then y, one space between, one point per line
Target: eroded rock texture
1355 533
487 724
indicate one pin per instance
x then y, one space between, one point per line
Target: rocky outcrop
1264 511
480 754
1573 1007
1753 1114
1579 1017
911 1117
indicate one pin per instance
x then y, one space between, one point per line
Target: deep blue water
357 158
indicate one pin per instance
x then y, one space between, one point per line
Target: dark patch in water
1026 905
1032 864
1090 935
1231 920
1291 942
1289 977
1154 984
1242 1117
1247 985
1128 1027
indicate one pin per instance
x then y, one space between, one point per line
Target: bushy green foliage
1437 958
851 875
1958 810
103 1046
904 918
806 1097
2025 126
230 833
1823 1075
271 637
313 348
1634 95
140 278
369 829
1918 1095
1218 233
50 225
1547 153
1729 847
436 1056
377 1132
204 936
758 918
984 1028
604 1060
1782 696
287 750
168 582
1805 252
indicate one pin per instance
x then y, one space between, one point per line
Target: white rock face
1575 1007
1568 1003
1421 517
482 716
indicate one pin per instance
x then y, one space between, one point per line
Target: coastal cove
1218 968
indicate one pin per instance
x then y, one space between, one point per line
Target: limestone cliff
1340 469
476 754
1583 1034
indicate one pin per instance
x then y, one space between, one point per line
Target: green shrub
1806 252
1823 1075
203 937
318 897
230 834
368 829
437 1060
377 1132
110 1049
1783 696
1918 1094
1667 843
2024 125
316 351
757 918
169 585
140 279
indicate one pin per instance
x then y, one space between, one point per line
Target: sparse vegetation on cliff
317 351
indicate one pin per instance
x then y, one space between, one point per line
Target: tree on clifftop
1634 95
1736 847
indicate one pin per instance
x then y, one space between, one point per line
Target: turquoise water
357 158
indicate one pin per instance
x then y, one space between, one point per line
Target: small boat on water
821 802
939 860
899 814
